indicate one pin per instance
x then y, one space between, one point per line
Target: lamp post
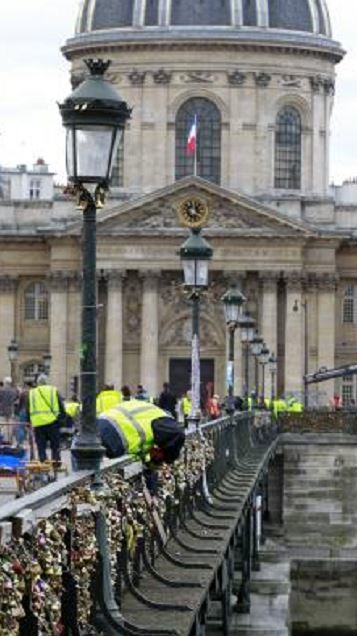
256 347
273 367
305 307
233 301
47 359
13 350
195 255
94 116
263 361
247 333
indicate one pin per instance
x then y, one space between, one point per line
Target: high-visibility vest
295 407
107 399
133 421
186 405
280 406
43 405
72 409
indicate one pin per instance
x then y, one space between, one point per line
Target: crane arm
323 374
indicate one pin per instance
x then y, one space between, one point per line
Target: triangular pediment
230 213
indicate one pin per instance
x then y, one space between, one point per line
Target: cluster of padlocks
48 574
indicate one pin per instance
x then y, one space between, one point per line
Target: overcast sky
34 76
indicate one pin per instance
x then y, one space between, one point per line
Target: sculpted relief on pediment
165 216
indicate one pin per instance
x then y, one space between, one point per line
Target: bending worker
142 429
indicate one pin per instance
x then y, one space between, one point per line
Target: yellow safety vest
43 405
107 399
72 409
295 407
186 406
133 420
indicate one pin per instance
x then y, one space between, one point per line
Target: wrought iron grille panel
208 139
288 149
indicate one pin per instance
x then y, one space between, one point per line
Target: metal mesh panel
208 139
249 13
205 12
290 14
108 15
36 302
152 12
288 149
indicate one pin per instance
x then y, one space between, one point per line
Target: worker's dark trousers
48 433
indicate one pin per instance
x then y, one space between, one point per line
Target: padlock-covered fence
125 552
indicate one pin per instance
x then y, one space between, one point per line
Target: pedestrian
45 411
186 406
167 400
126 393
142 430
8 400
141 393
213 407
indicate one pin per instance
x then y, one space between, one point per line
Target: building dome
309 16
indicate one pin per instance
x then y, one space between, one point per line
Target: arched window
32 370
208 120
288 149
36 302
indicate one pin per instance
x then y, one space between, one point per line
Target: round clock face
193 212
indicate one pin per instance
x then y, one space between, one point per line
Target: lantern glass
273 364
12 350
91 152
195 272
232 312
264 355
257 345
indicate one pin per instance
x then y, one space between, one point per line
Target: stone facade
285 247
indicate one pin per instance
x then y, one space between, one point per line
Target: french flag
192 139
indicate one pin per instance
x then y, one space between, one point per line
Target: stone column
59 330
326 330
114 330
269 322
150 333
7 321
294 334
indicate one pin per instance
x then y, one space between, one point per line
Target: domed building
258 78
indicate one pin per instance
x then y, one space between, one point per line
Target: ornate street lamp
13 351
256 347
94 116
273 367
263 360
247 333
233 301
195 255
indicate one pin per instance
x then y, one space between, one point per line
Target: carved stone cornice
162 77
137 78
295 280
8 283
236 78
327 281
262 79
114 278
58 281
269 280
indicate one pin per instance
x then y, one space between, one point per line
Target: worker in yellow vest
108 398
279 406
138 428
294 406
186 405
73 408
45 410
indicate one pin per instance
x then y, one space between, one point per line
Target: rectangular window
349 314
35 189
348 390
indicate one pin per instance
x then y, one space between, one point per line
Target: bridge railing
72 551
